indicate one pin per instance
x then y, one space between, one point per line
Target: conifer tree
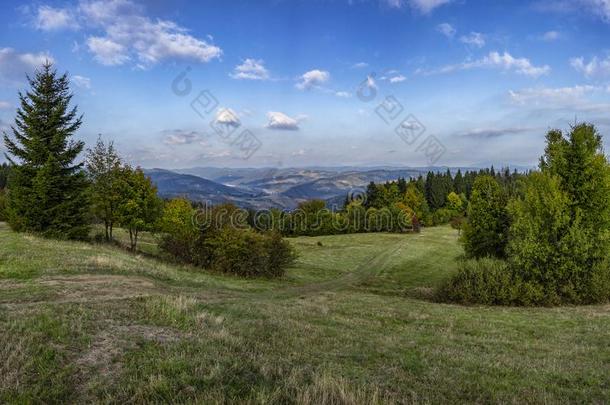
486 232
47 189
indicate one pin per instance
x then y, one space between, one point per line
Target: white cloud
491 133
550 36
551 96
14 66
281 121
426 6
446 29
312 78
49 19
360 65
180 137
343 94
251 69
4 105
128 34
228 117
397 79
81 81
595 68
107 52
598 8
474 38
494 59
520 65
422 6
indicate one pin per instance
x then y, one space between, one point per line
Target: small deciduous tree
140 207
415 199
108 184
454 202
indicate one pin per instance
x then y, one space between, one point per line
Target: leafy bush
247 253
219 239
484 281
490 281
443 216
457 222
179 231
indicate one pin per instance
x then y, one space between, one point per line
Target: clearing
352 322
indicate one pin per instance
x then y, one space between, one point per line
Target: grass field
352 322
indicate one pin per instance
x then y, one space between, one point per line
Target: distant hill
263 188
171 184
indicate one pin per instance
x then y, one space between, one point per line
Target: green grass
349 323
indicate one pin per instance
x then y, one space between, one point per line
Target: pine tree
458 183
486 232
47 189
4 173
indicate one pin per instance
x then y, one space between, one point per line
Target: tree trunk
135 240
106 229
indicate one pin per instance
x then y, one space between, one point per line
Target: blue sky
300 83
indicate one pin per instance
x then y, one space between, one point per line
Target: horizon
298 84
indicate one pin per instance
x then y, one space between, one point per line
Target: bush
218 244
443 216
457 222
484 281
178 228
248 254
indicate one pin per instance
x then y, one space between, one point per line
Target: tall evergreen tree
458 183
47 189
4 173
486 232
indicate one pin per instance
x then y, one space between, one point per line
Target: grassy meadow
352 322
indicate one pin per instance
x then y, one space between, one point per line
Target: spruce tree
47 189
486 232
458 183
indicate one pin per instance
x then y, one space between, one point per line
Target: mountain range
284 188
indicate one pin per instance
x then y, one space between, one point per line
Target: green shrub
220 240
247 253
178 229
484 281
443 216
